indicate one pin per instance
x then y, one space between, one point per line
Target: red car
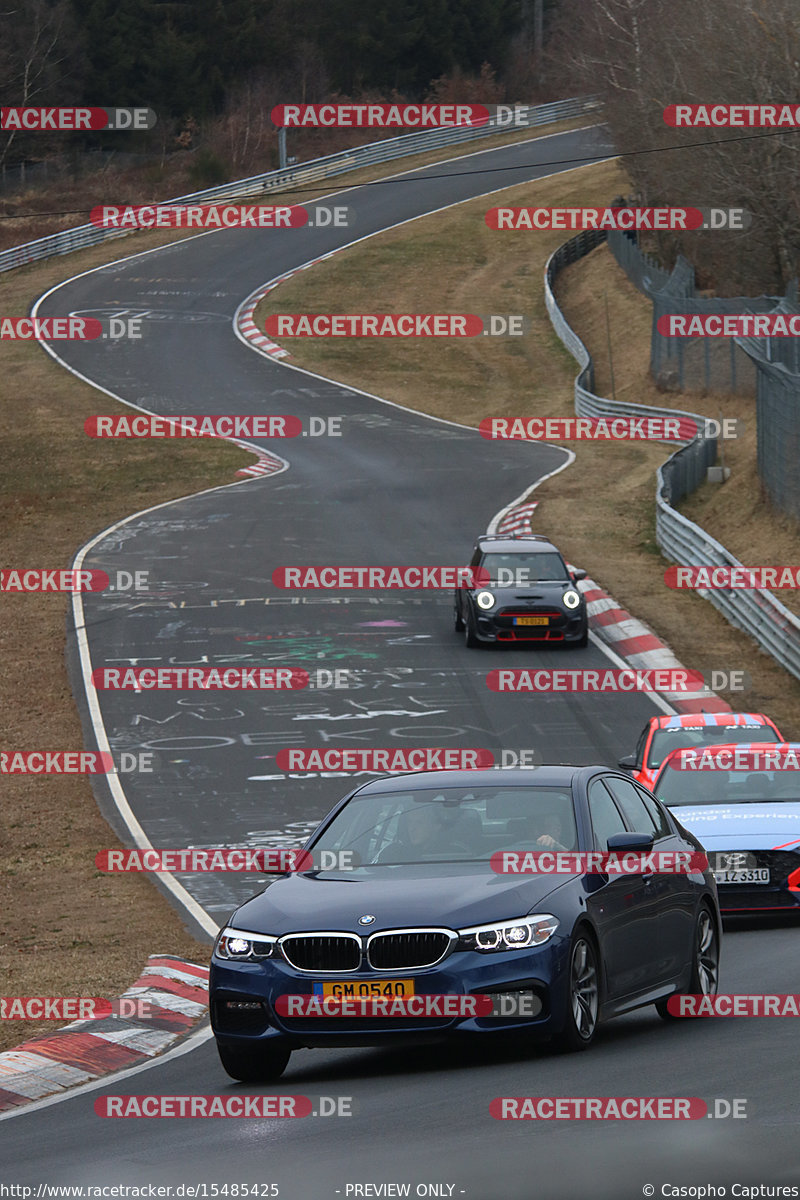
661 735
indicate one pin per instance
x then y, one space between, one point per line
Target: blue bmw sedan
433 896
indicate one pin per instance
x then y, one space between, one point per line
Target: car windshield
702 787
666 740
450 824
520 569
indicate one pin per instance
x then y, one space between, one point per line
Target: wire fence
777 364
757 612
767 368
686 468
680 364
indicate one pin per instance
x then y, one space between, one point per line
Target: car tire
458 620
705 963
583 994
255 1064
470 640
583 640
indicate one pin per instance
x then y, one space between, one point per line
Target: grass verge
452 262
23 217
66 929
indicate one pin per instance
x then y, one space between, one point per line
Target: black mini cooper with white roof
523 591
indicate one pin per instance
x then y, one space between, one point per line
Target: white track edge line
656 699
387 229
176 889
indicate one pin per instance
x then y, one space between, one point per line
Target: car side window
605 816
656 812
632 805
475 561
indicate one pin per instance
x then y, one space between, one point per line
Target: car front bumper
541 971
500 627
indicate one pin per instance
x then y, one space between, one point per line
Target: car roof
762 748
696 720
524 543
556 775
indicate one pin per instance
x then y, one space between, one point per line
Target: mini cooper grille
531 611
397 951
322 952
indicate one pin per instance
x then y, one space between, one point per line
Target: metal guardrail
686 468
317 168
757 612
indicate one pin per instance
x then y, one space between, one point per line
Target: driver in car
554 834
421 829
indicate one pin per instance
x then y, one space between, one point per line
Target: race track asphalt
395 488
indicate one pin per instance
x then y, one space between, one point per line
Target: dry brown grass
31 214
451 262
738 514
65 928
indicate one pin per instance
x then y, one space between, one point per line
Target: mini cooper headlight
485 600
510 935
235 944
571 598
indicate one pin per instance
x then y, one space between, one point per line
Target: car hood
743 826
532 591
455 895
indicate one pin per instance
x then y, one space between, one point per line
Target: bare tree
643 55
39 56
244 135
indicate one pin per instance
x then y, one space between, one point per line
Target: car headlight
571 598
510 935
485 600
241 945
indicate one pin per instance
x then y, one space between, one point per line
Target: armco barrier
757 612
317 168
686 468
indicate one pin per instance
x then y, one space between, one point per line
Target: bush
208 169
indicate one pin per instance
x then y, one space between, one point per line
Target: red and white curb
176 992
249 329
244 318
518 520
634 641
266 463
630 638
626 635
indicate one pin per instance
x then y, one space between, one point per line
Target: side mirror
578 574
630 841
628 763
